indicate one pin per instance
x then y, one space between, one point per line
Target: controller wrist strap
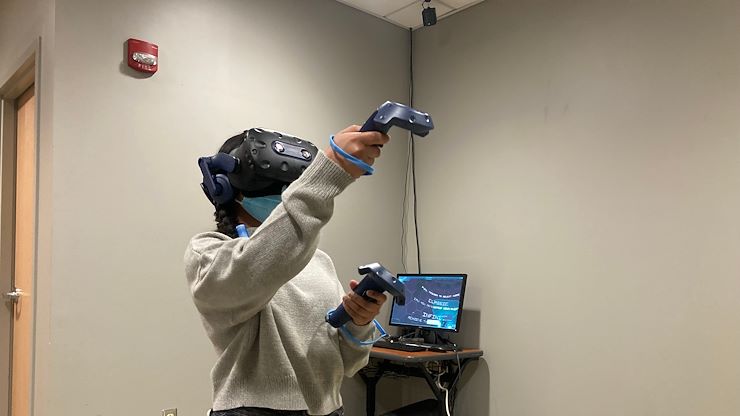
351 159
352 338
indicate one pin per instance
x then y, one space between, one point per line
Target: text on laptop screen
433 301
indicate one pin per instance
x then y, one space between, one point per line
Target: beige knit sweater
263 301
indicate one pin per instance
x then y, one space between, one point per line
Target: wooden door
24 255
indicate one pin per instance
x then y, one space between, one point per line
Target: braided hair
227 219
227 214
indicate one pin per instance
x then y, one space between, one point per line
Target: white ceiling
407 13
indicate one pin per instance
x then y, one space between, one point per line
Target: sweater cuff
325 177
362 333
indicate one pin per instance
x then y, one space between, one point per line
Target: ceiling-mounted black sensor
429 14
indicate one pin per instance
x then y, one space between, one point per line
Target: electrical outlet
169 412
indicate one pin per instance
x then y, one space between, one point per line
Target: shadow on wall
474 388
469 335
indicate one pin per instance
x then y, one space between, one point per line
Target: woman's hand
363 145
361 310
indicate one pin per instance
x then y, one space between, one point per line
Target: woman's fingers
359 316
361 310
378 297
362 304
371 138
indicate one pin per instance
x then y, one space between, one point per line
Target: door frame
27 73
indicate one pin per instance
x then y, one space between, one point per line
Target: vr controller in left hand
377 278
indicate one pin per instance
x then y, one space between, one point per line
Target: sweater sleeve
239 276
355 356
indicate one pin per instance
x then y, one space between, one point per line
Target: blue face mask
260 207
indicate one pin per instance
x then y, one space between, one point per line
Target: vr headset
263 164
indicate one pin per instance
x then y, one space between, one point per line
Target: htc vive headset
264 163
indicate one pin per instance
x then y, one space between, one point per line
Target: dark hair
226 214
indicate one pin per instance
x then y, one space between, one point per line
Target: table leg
452 385
370 387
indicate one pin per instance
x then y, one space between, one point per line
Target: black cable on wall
411 170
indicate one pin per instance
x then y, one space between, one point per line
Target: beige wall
584 172
21 23
27 29
126 337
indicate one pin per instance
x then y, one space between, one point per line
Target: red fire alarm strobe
143 56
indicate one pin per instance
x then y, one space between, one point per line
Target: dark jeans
258 411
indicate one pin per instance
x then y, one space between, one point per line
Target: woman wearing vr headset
263 299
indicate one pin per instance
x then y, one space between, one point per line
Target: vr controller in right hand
364 145
378 279
364 289
396 114
363 308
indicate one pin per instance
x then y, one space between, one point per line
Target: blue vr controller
394 114
377 278
386 116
